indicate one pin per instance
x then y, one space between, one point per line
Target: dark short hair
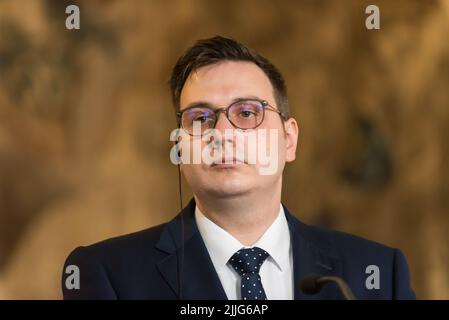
216 49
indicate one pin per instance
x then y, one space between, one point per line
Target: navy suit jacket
146 264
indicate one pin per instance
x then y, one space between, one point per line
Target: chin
228 188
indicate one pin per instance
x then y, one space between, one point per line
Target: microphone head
310 284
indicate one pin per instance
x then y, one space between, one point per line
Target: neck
245 217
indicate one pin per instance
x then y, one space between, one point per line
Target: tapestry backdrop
85 118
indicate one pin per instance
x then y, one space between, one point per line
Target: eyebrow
205 104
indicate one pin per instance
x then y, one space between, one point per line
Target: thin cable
181 265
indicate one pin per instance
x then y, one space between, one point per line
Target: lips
228 162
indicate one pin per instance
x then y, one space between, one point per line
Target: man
234 240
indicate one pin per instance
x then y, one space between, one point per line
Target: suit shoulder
345 244
360 258
125 245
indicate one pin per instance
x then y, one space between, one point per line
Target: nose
223 122
221 126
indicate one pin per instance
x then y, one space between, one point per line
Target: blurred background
85 118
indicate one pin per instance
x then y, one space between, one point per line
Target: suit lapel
311 255
199 278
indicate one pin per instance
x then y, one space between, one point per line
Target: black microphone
312 284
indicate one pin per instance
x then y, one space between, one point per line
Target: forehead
219 84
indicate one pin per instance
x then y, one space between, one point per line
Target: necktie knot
248 260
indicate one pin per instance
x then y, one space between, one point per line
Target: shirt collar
221 245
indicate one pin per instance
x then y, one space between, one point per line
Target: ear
175 151
291 138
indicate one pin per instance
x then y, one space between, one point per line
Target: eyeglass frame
264 103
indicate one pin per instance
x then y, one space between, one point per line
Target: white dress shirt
277 270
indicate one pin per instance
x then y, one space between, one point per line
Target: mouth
228 163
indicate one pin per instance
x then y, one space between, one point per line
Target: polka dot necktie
247 263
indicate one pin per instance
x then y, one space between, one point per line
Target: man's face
219 85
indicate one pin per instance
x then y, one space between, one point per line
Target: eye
247 113
201 118
247 110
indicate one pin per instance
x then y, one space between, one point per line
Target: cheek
271 150
274 142
191 172
282 148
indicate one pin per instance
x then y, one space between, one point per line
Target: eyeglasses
242 114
